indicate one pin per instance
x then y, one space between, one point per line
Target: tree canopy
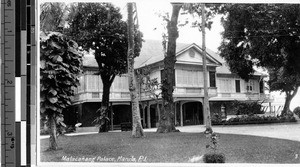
99 27
264 35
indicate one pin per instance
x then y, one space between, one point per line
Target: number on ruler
12 142
9 81
8 3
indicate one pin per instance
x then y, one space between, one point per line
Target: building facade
223 88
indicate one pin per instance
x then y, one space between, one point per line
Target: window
120 83
212 79
250 86
261 86
237 86
225 85
93 82
189 78
81 87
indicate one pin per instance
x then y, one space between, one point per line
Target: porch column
181 114
148 115
175 117
111 117
144 118
158 110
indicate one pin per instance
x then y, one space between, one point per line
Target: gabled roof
224 69
152 52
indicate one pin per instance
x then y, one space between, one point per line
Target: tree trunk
53 133
166 122
137 129
107 81
289 96
205 100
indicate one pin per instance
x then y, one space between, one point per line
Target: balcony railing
241 96
194 91
97 96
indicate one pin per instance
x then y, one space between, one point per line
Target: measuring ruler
8 127
17 85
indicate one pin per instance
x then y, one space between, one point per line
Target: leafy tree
194 10
297 111
199 11
153 89
281 80
53 15
61 63
99 26
137 129
264 35
166 122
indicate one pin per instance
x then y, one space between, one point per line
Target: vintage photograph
169 82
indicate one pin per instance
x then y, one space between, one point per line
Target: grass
171 147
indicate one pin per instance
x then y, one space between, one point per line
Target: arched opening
192 113
121 113
153 115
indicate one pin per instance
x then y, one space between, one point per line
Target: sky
150 25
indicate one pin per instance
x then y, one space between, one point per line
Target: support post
144 117
148 115
181 114
111 117
158 110
270 105
175 113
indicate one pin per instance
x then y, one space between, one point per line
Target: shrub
289 117
214 158
247 108
297 111
216 118
258 119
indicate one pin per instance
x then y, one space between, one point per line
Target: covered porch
188 111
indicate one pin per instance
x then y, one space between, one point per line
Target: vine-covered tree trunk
57 50
137 129
166 122
158 109
107 81
289 96
53 133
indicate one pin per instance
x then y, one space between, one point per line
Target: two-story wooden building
188 89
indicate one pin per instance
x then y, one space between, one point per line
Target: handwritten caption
104 159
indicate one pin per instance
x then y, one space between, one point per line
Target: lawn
171 147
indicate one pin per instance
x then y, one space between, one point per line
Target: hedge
254 120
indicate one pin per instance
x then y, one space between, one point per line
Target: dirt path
290 131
